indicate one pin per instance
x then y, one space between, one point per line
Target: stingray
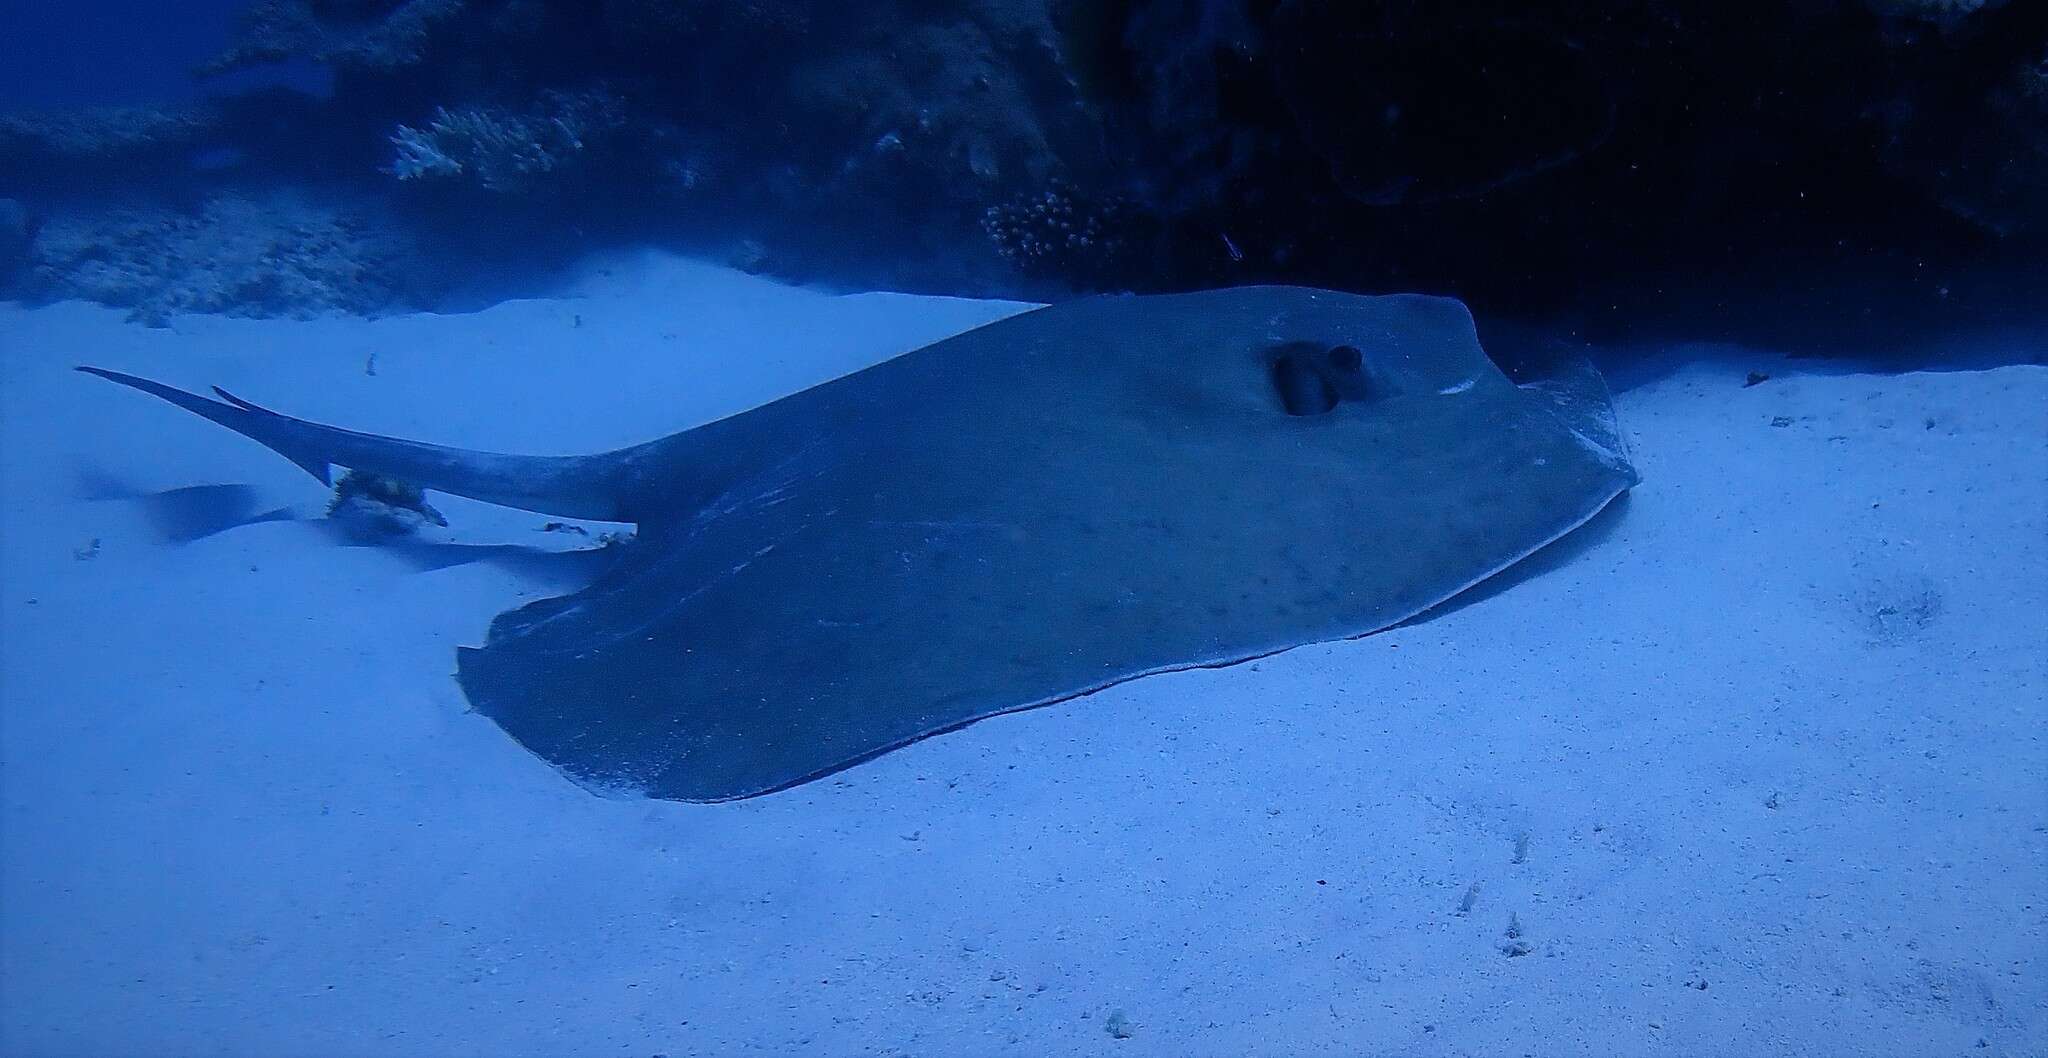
1025 513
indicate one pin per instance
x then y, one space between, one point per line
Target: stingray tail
237 415
570 486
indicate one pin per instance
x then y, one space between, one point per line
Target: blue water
119 51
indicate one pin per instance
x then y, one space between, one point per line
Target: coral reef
998 146
62 151
504 150
240 255
83 152
366 34
98 132
1063 234
891 125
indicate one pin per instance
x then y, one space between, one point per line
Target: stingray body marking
1028 512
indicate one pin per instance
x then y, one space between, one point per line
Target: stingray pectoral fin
570 486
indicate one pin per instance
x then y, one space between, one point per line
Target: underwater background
76 54
1754 763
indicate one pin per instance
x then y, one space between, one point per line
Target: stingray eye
1346 358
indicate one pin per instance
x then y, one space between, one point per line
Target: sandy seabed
1755 765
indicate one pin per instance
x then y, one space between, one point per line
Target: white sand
1775 735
